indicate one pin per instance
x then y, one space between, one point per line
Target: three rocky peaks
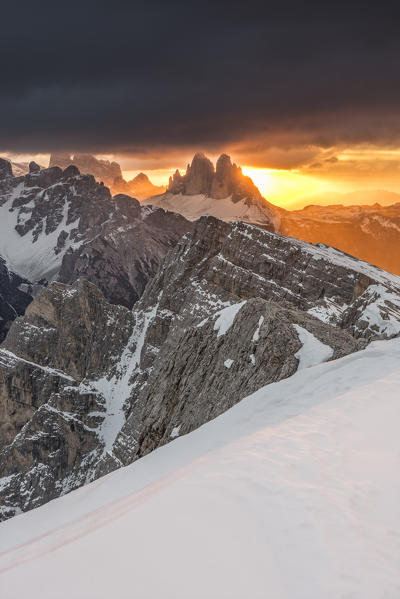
225 180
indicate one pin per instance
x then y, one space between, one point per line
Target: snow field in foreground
294 493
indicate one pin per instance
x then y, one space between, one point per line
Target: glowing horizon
290 189
320 179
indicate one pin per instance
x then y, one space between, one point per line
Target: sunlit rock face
223 192
231 308
199 175
225 180
371 233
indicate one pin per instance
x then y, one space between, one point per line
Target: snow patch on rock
313 351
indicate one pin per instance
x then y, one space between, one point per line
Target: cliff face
15 296
87 386
225 180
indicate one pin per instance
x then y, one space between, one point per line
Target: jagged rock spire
225 180
5 169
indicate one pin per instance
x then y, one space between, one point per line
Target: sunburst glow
280 186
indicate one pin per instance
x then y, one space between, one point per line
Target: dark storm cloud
131 76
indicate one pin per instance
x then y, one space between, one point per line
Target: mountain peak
102 170
140 178
139 187
34 167
225 180
5 169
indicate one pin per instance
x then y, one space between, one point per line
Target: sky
306 93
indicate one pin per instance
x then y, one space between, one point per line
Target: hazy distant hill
364 197
371 233
102 170
140 187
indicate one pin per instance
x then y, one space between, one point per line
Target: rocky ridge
232 308
370 232
61 225
110 173
102 170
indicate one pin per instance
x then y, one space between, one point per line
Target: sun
281 187
261 177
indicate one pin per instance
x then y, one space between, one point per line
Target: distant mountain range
110 173
102 170
140 187
353 222
370 232
351 198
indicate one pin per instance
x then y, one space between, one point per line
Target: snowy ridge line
328 253
46 369
194 206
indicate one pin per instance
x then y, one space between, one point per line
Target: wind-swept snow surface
292 494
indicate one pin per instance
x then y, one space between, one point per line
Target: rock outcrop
87 387
225 180
15 296
5 169
54 429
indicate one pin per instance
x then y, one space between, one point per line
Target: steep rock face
5 169
15 296
371 233
225 180
54 428
64 225
102 170
221 265
232 307
199 176
127 253
260 345
224 193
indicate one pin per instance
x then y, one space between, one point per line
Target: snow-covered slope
292 494
252 210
